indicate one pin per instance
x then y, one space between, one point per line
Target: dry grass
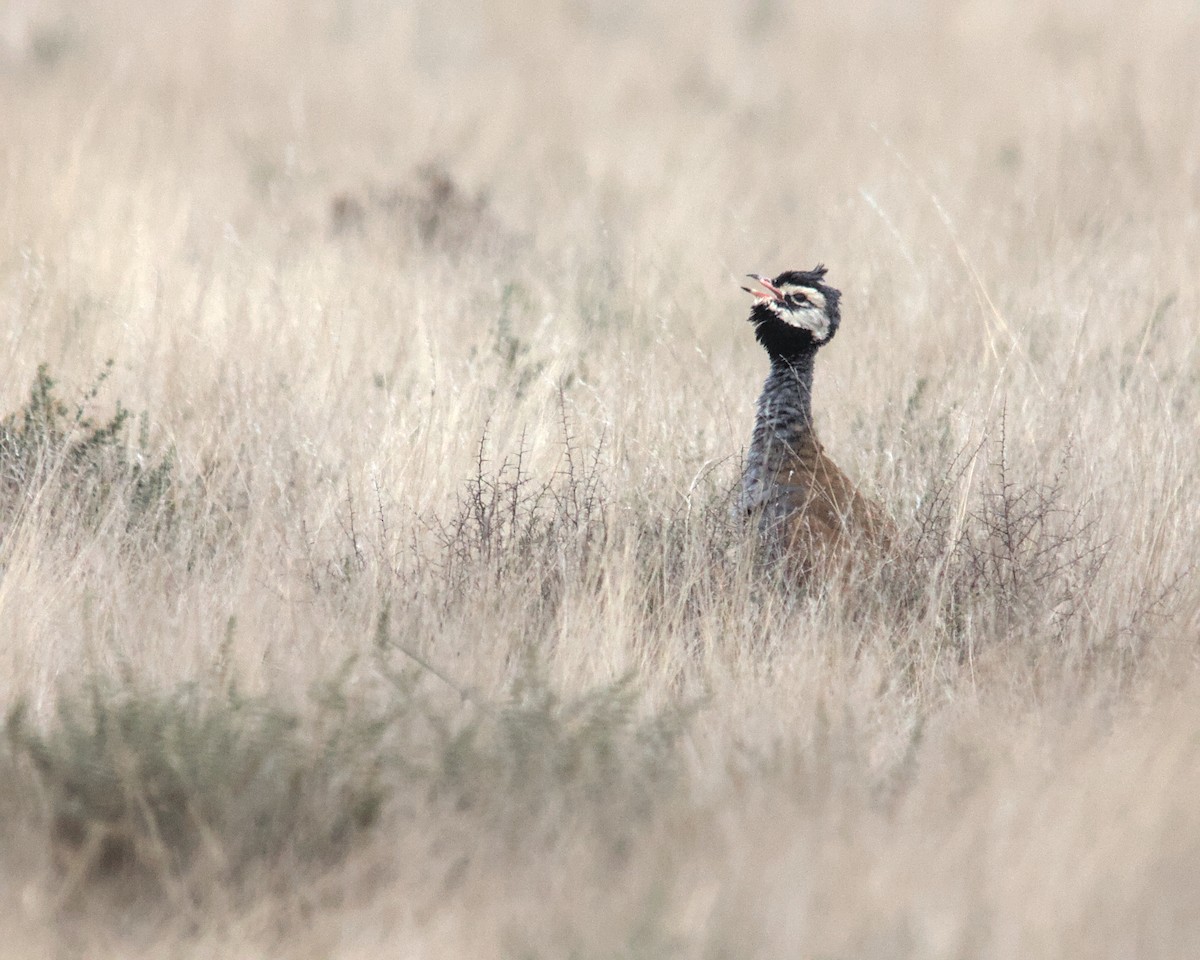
410 620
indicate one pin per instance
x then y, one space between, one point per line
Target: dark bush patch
159 784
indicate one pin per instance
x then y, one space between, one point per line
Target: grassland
381 597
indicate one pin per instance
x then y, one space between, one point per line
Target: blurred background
356 262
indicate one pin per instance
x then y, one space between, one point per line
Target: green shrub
84 460
149 780
161 784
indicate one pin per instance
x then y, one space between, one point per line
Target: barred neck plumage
782 426
784 418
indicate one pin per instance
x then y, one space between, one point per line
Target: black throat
781 340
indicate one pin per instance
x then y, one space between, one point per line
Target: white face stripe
815 297
808 316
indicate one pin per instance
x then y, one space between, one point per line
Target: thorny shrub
1009 552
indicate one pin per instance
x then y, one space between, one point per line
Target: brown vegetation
405 613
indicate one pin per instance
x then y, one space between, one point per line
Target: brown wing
826 513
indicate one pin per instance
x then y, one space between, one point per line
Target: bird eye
795 299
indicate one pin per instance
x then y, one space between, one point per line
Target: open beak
771 292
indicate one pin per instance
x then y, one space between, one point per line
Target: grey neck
782 426
785 405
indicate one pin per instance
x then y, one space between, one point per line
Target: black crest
803 278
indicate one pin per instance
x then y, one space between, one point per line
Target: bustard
806 510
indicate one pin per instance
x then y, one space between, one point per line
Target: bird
804 509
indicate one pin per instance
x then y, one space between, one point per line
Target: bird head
796 312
